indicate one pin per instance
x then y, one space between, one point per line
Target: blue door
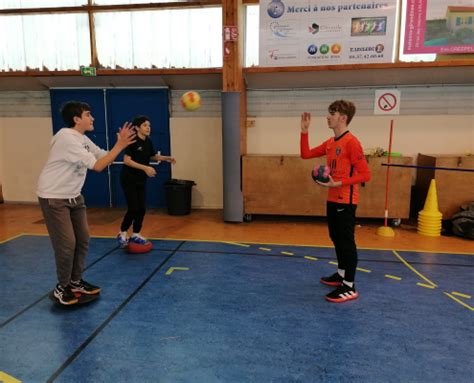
96 189
111 108
123 105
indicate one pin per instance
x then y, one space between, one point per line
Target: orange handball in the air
191 100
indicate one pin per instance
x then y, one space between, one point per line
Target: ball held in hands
321 173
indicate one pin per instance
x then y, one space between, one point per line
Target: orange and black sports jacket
345 157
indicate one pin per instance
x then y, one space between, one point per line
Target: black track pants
341 224
135 196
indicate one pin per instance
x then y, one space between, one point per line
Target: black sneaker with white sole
83 287
64 295
333 280
343 293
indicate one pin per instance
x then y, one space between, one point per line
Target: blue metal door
123 105
111 108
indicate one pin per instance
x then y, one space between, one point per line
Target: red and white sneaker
343 293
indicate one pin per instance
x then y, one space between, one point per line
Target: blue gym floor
207 312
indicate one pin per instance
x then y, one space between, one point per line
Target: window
177 38
24 4
251 35
45 42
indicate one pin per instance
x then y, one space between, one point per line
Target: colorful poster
311 32
439 26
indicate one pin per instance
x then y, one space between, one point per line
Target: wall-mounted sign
387 101
439 26
88 71
311 32
231 33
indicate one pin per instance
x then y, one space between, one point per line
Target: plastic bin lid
174 181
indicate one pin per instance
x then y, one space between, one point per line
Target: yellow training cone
429 219
431 202
385 231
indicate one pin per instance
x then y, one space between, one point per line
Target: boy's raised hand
126 135
305 121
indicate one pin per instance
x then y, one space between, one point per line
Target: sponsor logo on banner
324 49
325 52
281 54
336 48
276 9
313 29
282 30
312 49
368 52
324 28
369 26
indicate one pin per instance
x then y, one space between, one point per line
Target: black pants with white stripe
341 224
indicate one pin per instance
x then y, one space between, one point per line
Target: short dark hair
344 107
72 109
138 120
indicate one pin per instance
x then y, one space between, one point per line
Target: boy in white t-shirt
59 194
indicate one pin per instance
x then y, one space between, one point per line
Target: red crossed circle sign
387 102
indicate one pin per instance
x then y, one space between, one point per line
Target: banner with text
439 26
306 33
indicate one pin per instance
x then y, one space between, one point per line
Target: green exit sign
88 71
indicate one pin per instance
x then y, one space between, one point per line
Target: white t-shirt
71 154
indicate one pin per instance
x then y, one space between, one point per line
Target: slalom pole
387 175
385 230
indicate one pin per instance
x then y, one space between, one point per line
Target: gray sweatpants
66 221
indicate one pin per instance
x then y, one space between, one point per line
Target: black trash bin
178 196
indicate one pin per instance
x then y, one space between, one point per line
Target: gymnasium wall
437 134
196 143
436 119
23 152
25 132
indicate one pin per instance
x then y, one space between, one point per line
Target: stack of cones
429 219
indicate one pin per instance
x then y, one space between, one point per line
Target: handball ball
321 173
191 100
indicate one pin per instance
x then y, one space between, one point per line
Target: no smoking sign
387 101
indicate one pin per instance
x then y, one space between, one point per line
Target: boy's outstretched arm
169 159
125 136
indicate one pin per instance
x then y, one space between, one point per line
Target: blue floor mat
222 312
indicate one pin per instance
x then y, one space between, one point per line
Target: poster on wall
439 26
311 32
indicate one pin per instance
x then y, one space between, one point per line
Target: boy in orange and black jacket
345 157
